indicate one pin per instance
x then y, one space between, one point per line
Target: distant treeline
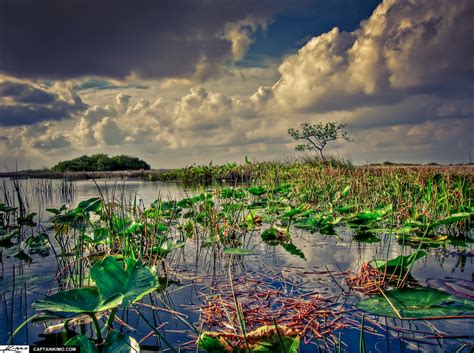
100 162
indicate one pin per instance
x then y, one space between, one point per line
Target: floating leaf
436 240
414 302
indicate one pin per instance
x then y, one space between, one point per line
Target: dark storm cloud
166 38
24 93
24 103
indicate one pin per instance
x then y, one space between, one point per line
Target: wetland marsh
301 257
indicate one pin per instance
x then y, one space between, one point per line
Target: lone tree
318 135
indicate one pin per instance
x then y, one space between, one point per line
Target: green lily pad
257 190
85 345
38 240
21 255
273 234
93 204
400 263
7 209
117 342
133 281
27 220
292 212
414 303
293 250
308 223
213 344
78 300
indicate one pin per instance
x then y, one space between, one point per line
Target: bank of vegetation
101 163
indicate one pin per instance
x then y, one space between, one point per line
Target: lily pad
85 345
93 204
78 300
273 234
213 344
117 342
400 263
414 303
133 281
293 250
7 209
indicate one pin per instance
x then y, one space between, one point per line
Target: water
198 273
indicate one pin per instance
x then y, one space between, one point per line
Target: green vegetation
415 303
116 286
317 136
411 199
100 162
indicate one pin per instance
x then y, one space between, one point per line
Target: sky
182 82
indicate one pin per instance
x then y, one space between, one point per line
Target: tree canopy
100 162
318 135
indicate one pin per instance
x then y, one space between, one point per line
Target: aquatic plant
414 303
116 285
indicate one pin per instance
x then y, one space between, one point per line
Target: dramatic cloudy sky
178 82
